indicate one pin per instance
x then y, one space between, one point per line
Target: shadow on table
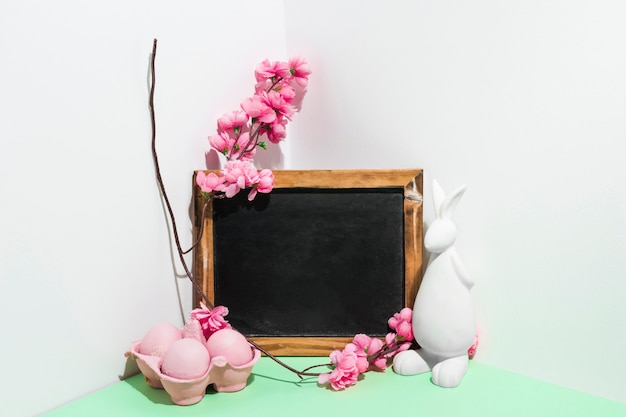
296 382
155 395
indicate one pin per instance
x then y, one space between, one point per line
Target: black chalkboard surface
335 257
319 262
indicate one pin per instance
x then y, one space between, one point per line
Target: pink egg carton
224 376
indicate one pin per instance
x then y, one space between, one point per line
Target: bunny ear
450 203
438 198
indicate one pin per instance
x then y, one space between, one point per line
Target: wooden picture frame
407 182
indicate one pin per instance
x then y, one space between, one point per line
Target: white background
525 102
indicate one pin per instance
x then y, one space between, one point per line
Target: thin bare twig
283 364
201 232
160 179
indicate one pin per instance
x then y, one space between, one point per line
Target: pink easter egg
232 345
158 339
186 359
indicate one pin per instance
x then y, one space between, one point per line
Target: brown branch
384 352
254 137
175 230
160 179
201 232
283 364
305 370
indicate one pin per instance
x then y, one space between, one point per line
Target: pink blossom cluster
211 320
236 176
366 353
280 86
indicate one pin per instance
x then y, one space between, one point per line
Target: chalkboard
324 256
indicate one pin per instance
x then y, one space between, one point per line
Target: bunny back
443 316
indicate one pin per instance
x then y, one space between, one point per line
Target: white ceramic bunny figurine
443 316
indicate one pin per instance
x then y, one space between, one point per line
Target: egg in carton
183 363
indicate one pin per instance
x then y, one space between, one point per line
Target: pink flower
234 121
264 185
287 92
380 362
271 70
472 350
275 101
345 372
258 109
211 320
221 143
405 330
275 131
266 181
300 70
237 176
209 183
396 344
361 341
401 323
366 348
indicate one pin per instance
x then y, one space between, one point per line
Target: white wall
523 101
85 260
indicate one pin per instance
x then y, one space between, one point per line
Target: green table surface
274 391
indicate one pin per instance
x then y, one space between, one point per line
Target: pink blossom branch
254 137
384 352
274 84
